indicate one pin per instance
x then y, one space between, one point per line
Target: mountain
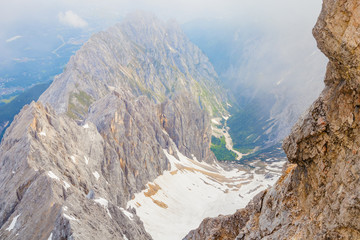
317 197
32 54
264 69
119 144
9 110
150 58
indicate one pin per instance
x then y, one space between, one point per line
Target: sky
269 60
94 15
21 18
77 13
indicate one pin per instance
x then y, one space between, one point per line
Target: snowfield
177 201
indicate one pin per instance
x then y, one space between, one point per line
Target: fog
18 16
257 46
275 20
266 12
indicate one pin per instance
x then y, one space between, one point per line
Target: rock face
318 196
70 162
227 227
141 55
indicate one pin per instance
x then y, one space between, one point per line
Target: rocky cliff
70 162
142 55
264 68
318 195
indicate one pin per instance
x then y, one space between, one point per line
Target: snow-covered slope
179 199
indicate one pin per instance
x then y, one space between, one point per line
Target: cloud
72 19
13 39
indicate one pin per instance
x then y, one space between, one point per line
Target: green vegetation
248 124
218 146
8 111
244 150
79 104
207 99
273 151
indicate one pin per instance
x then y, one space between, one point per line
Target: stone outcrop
227 227
70 162
49 168
318 196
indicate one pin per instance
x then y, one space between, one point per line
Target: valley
190 191
134 133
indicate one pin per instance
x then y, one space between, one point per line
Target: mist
90 16
280 13
257 45
268 59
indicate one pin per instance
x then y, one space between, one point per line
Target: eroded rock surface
70 162
318 197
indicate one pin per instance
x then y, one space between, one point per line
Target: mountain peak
146 18
132 101
141 55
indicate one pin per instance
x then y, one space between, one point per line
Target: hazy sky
19 16
278 12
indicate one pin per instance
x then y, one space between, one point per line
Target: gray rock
318 196
70 162
141 55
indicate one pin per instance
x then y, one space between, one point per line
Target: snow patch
66 185
73 159
65 208
105 203
50 237
102 201
215 121
86 160
86 126
69 217
53 176
191 191
43 133
13 222
127 213
96 175
225 118
125 238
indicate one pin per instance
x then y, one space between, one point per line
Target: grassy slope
218 146
248 124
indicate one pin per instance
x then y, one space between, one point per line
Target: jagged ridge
70 162
318 197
